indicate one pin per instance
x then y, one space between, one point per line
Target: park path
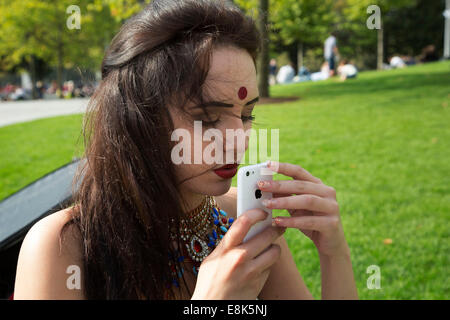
21 111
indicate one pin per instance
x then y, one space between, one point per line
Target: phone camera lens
247 173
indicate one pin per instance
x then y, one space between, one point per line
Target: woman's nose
236 140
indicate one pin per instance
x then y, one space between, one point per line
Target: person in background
69 88
303 75
330 52
396 62
409 61
347 70
286 74
429 54
53 88
323 74
273 72
40 89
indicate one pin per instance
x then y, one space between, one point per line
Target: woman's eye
248 118
210 123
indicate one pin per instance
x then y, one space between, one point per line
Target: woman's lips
228 171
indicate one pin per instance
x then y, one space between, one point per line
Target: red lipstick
227 171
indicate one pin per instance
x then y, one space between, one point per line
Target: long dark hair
125 192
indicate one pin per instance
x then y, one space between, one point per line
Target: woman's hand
312 206
236 270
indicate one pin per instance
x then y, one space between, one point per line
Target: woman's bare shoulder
50 266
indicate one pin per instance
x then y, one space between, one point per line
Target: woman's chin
216 188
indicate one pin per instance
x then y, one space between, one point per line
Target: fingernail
262 184
281 222
274 222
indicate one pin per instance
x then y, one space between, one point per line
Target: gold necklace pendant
200 233
194 231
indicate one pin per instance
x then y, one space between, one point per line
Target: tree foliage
38 28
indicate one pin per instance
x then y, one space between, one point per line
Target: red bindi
242 93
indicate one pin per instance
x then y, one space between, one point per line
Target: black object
21 210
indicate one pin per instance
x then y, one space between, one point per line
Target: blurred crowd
345 69
428 54
70 89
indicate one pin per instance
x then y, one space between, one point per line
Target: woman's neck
192 201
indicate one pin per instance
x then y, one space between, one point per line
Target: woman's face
232 82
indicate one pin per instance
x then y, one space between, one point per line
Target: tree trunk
60 61
380 48
299 54
60 71
263 81
33 77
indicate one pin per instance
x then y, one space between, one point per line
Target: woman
135 209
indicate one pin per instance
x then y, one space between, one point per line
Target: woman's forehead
232 75
232 93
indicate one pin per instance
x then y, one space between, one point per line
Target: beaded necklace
201 231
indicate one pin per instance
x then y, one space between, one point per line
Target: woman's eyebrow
252 101
223 104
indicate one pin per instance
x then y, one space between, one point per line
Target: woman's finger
304 201
292 170
296 187
316 223
261 241
266 258
239 229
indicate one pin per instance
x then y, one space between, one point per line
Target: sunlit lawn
381 140
31 149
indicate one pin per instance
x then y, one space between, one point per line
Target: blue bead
221 236
211 244
176 283
223 229
181 258
223 213
195 271
214 234
216 221
215 211
230 220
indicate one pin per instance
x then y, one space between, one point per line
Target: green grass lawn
381 140
30 150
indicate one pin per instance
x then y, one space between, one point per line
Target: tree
356 12
302 22
263 84
295 22
259 11
31 29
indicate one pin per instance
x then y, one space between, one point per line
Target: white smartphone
249 196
